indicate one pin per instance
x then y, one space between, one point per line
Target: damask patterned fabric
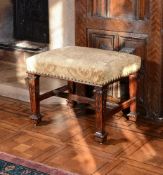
84 65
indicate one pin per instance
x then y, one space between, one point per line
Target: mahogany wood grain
62 146
132 92
113 25
34 91
124 105
100 100
71 90
56 92
82 99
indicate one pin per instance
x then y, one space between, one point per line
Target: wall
61 23
61 33
6 20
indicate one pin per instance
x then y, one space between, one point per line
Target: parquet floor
65 140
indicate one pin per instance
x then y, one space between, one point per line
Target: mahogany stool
88 66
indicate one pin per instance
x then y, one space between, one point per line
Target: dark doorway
31 20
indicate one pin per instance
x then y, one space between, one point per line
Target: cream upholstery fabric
85 65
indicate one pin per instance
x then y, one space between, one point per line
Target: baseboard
23 95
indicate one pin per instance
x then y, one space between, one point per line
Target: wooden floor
65 140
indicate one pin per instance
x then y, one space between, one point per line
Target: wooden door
117 24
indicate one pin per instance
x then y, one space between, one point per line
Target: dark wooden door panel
113 25
124 9
102 39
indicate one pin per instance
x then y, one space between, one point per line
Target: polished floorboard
65 140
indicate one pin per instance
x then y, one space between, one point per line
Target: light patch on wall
61 23
56 23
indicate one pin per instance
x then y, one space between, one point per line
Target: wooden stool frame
99 102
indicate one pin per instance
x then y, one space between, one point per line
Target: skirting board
23 95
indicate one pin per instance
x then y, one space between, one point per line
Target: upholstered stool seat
84 66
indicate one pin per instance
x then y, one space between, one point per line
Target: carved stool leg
100 98
71 89
34 91
133 91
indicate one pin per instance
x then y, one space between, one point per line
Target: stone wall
6 20
61 33
61 23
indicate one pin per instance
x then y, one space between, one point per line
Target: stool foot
71 103
133 92
101 137
100 103
36 118
132 116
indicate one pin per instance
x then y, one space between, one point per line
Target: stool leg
34 91
71 89
100 104
132 92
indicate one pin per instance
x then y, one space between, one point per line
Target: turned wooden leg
34 91
132 92
100 98
71 89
